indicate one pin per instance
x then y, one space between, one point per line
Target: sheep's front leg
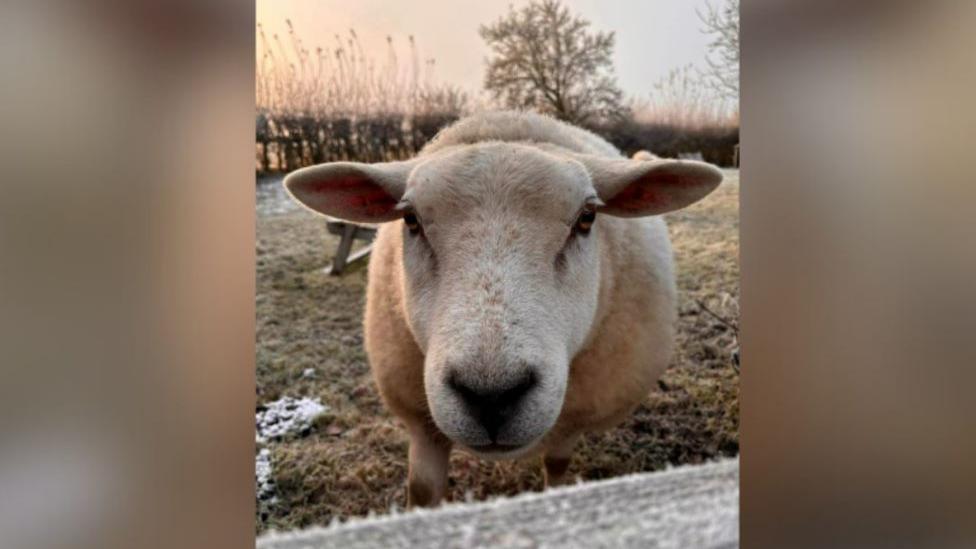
427 479
557 460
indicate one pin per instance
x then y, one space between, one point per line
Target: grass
354 461
341 80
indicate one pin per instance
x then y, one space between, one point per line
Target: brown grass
341 80
681 100
354 461
322 102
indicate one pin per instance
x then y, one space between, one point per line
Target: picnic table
348 234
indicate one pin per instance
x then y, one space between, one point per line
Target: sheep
520 290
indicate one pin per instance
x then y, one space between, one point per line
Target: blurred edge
858 256
127 278
126 284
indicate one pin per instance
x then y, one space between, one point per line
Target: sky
652 36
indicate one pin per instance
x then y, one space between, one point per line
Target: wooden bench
349 233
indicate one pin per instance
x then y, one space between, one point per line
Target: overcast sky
653 36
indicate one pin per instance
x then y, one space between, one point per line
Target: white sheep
522 292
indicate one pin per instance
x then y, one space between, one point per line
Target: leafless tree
545 58
722 23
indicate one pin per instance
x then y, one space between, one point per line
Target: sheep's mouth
495 448
495 451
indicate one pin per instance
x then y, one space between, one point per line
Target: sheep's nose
492 407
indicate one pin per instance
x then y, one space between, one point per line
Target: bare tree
722 22
546 59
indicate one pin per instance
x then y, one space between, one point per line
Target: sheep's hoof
557 469
419 495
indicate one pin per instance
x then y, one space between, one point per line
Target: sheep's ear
635 188
363 193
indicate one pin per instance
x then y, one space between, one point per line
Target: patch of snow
275 420
308 372
285 416
262 473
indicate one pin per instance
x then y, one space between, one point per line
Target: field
352 462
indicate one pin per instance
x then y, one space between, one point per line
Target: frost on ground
285 416
272 198
262 472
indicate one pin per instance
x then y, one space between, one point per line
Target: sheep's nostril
515 393
492 407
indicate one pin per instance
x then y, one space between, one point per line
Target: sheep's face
501 255
501 275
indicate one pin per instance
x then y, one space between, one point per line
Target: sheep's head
501 267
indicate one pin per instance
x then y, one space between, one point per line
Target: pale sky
652 36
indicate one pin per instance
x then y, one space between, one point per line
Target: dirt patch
353 460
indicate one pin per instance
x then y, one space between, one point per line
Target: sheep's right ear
362 193
634 188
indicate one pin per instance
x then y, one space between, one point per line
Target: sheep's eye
412 223
585 221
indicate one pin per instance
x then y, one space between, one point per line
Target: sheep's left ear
635 188
363 193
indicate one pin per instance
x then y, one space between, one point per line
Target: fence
716 144
288 142
690 506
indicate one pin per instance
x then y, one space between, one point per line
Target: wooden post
342 253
